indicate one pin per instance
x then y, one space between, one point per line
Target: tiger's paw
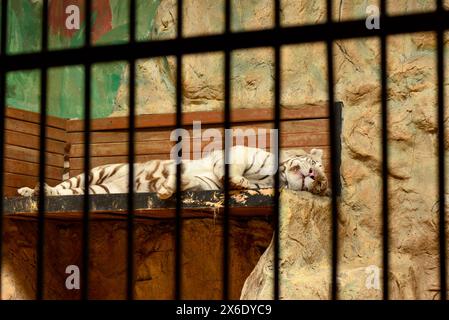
25 192
164 193
47 190
239 183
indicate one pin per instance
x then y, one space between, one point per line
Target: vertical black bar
87 115
385 173
43 124
334 156
441 153
277 127
131 63
178 219
336 137
3 38
227 125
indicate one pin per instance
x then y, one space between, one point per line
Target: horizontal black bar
242 40
118 202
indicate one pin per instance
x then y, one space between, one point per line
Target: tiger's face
304 171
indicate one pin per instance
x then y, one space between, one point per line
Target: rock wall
154 258
412 147
412 119
305 259
251 70
304 272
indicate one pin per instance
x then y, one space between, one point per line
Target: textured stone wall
413 161
154 258
305 253
305 259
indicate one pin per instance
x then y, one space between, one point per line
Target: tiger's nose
311 174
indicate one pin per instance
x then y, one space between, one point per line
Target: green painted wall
65 88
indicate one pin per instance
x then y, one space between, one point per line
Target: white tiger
250 168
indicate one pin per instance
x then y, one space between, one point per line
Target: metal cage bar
87 117
227 140
354 29
40 251
131 158
178 219
333 150
441 155
277 127
385 172
4 23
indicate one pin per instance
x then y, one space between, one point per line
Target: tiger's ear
286 155
317 153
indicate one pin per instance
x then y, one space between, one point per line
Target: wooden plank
34 117
29 155
118 136
19 180
143 121
121 148
9 191
34 129
295 140
78 163
165 146
306 111
33 142
294 126
305 126
32 169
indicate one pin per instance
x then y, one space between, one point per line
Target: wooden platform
22 146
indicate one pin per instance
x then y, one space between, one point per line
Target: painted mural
109 26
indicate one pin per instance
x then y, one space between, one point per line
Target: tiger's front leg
236 179
158 177
165 188
25 192
167 183
49 191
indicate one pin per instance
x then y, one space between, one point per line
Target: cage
223 244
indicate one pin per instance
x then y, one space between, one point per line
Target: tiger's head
303 171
